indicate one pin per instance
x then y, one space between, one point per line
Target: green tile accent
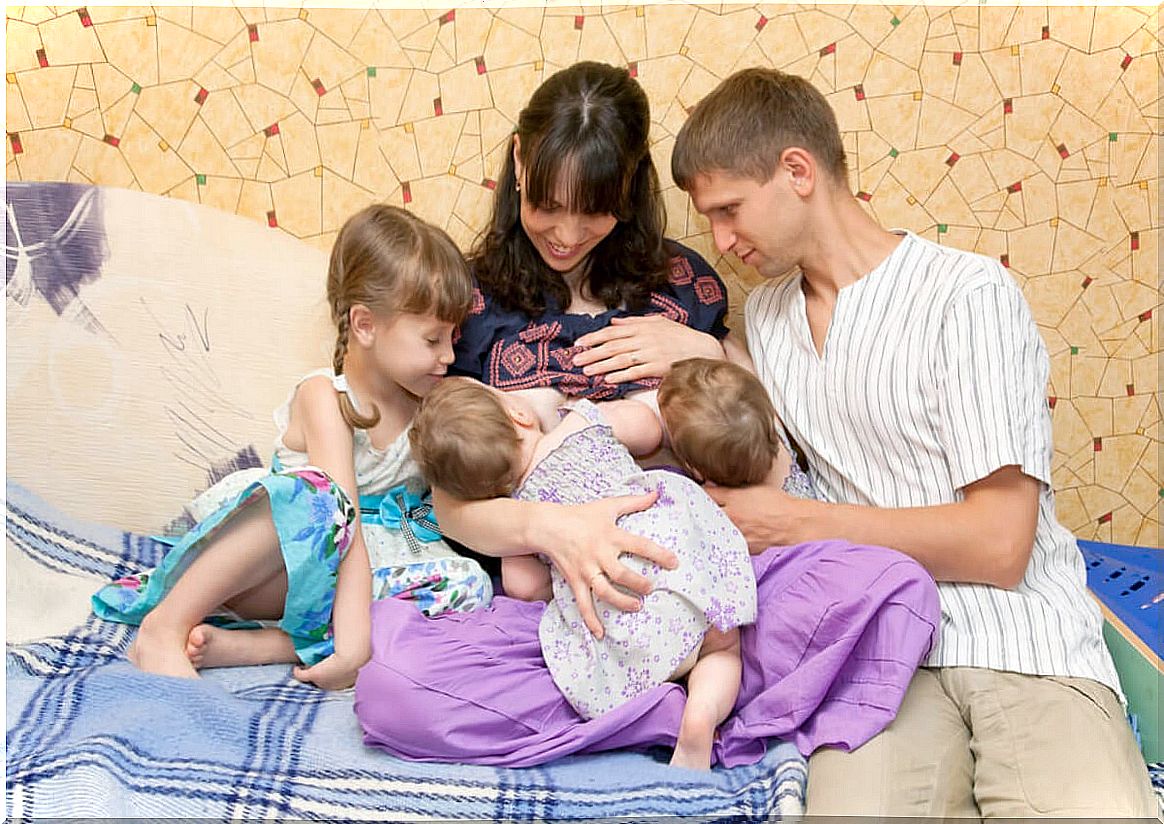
371 71
893 153
943 228
136 89
201 179
895 21
1074 350
1113 136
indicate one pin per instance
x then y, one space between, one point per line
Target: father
913 377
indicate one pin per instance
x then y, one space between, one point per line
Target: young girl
292 545
476 442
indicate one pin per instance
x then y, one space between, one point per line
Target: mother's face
563 238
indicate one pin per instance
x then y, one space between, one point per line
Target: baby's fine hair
389 260
720 420
465 442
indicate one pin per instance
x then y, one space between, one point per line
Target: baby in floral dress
476 442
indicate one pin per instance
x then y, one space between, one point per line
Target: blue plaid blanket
88 735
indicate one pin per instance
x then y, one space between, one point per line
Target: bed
148 340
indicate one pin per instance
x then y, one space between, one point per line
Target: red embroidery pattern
670 307
518 359
478 303
539 331
681 271
708 291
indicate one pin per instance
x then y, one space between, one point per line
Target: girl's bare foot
160 650
211 646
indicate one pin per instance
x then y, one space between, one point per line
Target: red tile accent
17 146
1097 444
1131 387
1105 519
272 221
489 183
859 91
865 196
253 32
957 58
317 84
761 23
406 191
953 158
1004 260
1017 186
579 19
1063 152
437 108
1146 315
1135 241
1046 32
42 58
449 16
271 130
200 98
1087 281
480 61
1007 106
112 141
1127 61
1051 401
86 21
633 68
829 49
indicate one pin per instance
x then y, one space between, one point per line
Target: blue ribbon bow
401 509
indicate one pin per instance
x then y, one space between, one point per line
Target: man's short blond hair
743 126
720 420
465 442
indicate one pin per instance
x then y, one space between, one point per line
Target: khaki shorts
971 742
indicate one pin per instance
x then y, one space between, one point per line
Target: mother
581 294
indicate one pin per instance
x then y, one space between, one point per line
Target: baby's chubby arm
526 578
635 423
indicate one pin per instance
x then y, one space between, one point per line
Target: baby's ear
521 415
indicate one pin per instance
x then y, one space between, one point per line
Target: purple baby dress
712 586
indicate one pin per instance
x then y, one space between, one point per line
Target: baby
476 442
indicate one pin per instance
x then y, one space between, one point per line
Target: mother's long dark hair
586 125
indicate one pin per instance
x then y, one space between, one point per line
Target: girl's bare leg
209 646
712 687
242 557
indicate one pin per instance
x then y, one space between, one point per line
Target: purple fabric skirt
840 630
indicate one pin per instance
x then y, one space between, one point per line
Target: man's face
759 223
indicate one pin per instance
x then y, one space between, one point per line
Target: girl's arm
526 578
316 414
581 540
634 423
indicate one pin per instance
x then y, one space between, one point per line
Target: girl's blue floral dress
314 519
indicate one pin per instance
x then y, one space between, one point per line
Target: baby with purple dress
476 442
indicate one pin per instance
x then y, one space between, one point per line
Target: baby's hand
332 673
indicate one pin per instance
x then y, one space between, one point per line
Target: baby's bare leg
712 687
243 556
209 646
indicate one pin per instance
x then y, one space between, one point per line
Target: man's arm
985 538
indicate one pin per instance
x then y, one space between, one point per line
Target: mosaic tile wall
1024 133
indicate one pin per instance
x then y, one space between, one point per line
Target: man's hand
767 515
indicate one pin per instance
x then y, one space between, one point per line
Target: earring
517 187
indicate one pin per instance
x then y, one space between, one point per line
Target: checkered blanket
88 735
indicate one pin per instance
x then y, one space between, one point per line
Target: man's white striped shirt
933 376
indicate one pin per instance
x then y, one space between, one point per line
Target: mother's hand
584 543
633 348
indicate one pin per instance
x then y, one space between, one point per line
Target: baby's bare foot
160 650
